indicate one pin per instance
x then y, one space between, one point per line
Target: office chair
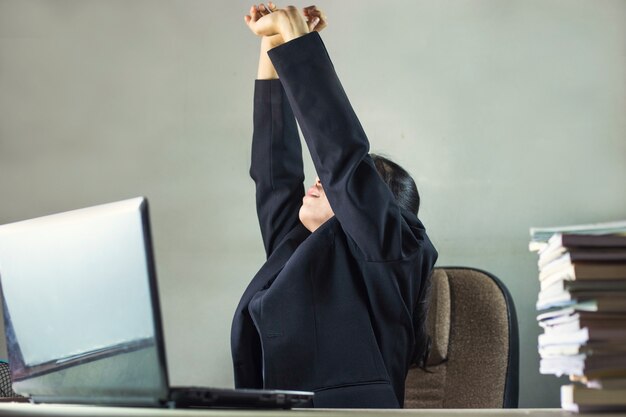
6 387
474 358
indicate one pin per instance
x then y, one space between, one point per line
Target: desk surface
24 409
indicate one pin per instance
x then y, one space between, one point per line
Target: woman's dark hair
399 182
405 192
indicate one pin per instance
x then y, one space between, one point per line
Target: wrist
293 34
291 26
266 70
269 42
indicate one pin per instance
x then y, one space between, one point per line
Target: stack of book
582 310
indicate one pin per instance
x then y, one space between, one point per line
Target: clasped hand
287 23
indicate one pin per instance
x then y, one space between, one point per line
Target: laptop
82 316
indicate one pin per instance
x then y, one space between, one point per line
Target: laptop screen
80 310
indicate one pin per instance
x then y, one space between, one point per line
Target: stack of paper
582 310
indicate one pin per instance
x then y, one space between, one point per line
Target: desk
47 410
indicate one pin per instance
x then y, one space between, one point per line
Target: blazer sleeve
276 165
361 201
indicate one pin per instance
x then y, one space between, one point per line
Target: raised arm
339 147
276 165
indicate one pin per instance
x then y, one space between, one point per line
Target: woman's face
315 208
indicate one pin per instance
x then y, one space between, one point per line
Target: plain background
509 114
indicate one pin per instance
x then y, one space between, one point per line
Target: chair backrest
6 387
474 359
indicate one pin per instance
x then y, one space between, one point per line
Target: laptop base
186 397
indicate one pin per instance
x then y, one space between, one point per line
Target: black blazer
330 311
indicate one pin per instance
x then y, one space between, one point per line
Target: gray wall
509 114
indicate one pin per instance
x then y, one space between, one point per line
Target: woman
338 308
